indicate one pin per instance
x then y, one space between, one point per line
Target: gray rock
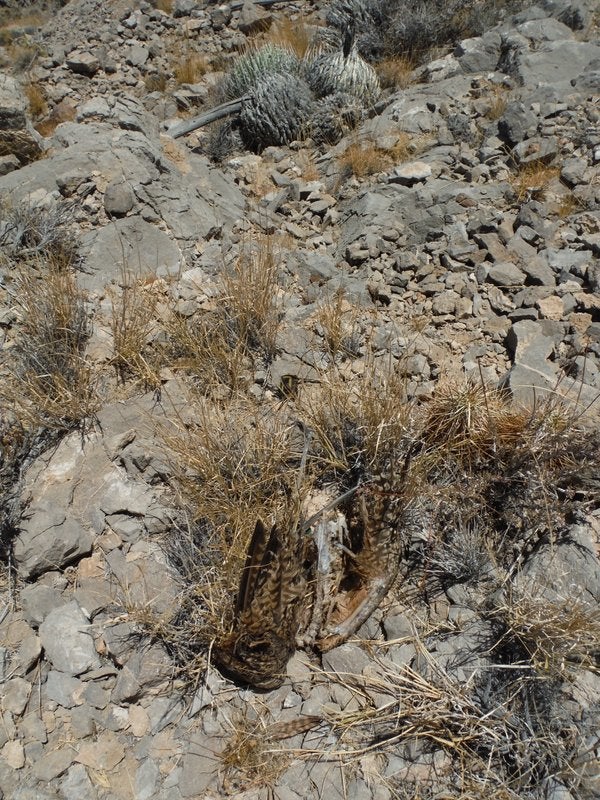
67 640
253 19
538 272
346 659
565 259
13 104
26 793
516 123
545 30
145 669
183 8
53 763
573 171
18 139
16 692
585 368
128 244
460 655
32 728
48 539
479 54
163 711
95 108
137 55
146 779
37 601
62 688
76 784
506 274
532 374
410 173
8 164
27 655
118 198
576 15
83 721
83 63
538 148
569 570
120 641
146 580
556 64
417 366
200 764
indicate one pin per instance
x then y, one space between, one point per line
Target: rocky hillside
299 444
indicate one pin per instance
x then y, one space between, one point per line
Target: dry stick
238 5
224 110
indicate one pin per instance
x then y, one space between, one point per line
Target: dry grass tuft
306 164
533 180
237 464
252 298
555 636
51 383
498 100
63 112
365 158
294 35
396 72
360 423
163 5
22 55
37 101
435 710
38 234
249 759
570 204
157 82
133 322
338 319
223 344
472 422
190 67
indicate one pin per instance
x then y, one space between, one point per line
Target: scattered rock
67 639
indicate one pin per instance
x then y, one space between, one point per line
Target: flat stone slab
67 640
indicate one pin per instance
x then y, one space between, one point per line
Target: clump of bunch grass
236 464
32 233
484 458
462 556
291 35
189 68
533 180
222 345
416 30
364 157
360 423
163 5
133 322
507 750
396 72
17 444
65 111
37 101
556 636
338 319
51 382
249 759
